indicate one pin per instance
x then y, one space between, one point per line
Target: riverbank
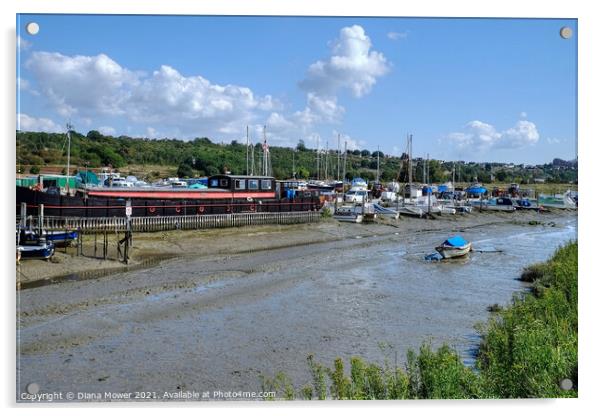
150 249
528 350
237 316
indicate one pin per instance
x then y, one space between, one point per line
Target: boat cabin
236 183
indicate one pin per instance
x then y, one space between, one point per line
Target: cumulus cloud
166 103
107 130
82 84
97 85
352 143
352 65
28 123
481 136
22 44
24 85
397 35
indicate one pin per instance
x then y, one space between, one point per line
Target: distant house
539 180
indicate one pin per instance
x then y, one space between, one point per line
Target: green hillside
201 157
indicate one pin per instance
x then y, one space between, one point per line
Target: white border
589 108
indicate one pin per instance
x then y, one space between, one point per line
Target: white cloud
24 85
28 123
86 85
481 136
523 114
523 133
352 65
90 86
107 130
352 144
397 35
22 44
167 103
553 140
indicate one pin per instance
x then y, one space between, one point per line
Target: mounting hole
566 32
32 388
566 384
32 28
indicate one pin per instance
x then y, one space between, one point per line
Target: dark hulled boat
224 194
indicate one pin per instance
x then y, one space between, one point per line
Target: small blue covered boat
454 247
59 238
36 250
475 190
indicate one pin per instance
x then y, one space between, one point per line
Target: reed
527 349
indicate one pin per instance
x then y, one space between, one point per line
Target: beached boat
525 204
389 196
448 209
475 190
565 201
463 209
36 250
320 186
348 214
494 204
59 238
454 247
428 204
411 211
386 212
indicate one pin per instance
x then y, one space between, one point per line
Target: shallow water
373 297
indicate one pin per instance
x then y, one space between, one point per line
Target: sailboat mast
69 127
345 162
410 161
377 164
247 171
326 162
339 157
294 172
252 158
318 157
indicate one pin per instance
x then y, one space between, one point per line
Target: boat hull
449 252
354 218
38 251
110 206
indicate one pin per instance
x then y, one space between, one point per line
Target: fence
159 223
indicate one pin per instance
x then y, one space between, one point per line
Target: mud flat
252 301
152 248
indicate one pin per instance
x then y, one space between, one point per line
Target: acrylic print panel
274 208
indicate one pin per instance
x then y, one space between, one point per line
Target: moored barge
224 194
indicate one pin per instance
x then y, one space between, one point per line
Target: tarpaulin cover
476 190
456 241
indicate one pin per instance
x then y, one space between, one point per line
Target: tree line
203 157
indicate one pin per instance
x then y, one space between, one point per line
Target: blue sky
470 89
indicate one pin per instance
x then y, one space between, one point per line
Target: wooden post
105 245
79 242
23 221
40 219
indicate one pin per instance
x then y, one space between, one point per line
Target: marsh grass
527 349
